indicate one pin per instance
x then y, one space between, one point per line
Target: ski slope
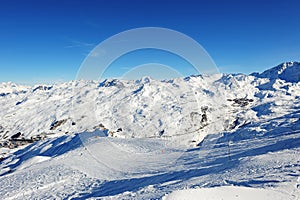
206 136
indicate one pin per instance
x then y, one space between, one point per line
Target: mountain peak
288 71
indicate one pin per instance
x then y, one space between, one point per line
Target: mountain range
146 138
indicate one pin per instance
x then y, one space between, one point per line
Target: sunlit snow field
222 136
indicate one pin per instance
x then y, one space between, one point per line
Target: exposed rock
15 141
204 118
114 82
234 124
111 133
204 109
42 88
4 94
119 130
240 102
22 101
15 136
5 135
161 133
58 123
1 129
39 137
100 127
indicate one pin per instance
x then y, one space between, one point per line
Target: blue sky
46 41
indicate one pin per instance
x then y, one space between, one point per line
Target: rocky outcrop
15 136
15 141
56 124
240 102
41 87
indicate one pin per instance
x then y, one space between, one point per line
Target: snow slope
226 193
65 168
146 139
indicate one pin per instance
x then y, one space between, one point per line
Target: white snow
226 193
32 161
222 136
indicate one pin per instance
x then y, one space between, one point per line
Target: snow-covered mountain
289 72
145 138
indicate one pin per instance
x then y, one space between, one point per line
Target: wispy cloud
76 43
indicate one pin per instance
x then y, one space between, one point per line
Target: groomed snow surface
201 137
225 193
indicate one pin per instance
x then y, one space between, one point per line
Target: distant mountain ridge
288 71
